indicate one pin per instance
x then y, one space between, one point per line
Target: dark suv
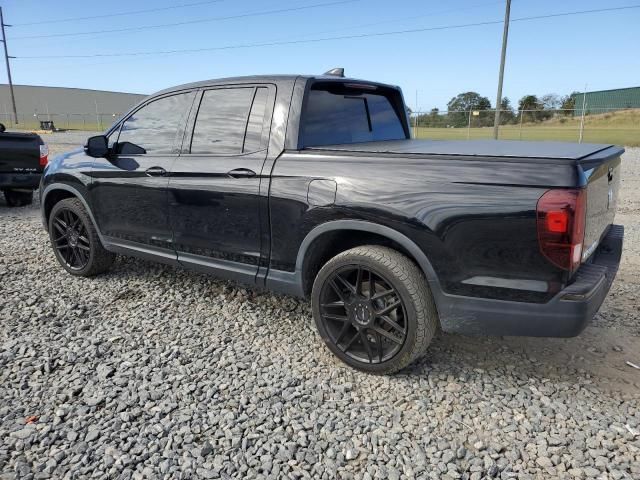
312 186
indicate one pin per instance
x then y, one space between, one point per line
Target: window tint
222 121
154 127
255 125
349 116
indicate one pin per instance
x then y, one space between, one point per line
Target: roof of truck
267 79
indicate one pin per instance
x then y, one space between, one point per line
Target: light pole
505 35
6 59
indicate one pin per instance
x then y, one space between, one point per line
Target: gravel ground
154 372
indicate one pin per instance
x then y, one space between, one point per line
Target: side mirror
97 147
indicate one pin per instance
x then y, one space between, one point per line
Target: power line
350 27
189 22
341 37
120 14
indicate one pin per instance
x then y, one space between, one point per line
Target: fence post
521 115
584 104
469 127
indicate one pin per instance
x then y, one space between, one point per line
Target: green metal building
604 101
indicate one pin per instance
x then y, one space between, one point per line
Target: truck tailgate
603 171
20 153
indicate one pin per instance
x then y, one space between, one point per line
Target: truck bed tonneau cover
475 148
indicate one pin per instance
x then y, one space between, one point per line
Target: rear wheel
18 198
75 240
373 309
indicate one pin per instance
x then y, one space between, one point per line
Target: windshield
338 114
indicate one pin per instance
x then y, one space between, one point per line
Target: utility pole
505 35
6 59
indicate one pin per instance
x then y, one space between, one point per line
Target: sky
553 55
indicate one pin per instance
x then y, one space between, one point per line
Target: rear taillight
561 220
44 155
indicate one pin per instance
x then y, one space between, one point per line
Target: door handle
242 173
155 171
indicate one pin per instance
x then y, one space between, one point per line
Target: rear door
129 189
214 202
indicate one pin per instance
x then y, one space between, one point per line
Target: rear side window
335 115
230 121
155 126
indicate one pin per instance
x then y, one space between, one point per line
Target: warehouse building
67 107
603 101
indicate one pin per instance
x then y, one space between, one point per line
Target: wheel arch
56 192
322 235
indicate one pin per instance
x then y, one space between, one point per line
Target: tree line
531 107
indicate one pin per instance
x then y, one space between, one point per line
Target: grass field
621 128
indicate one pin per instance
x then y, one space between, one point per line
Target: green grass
620 128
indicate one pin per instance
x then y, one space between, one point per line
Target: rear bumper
566 315
27 181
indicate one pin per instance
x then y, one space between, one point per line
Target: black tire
17 198
357 311
75 241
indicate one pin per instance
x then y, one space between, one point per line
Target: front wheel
373 309
75 240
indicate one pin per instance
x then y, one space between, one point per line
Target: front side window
337 114
155 126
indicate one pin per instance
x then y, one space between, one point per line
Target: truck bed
511 149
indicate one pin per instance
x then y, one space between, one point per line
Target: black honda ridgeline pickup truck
312 186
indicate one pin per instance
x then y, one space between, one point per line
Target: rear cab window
339 113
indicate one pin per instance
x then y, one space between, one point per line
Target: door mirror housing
97 147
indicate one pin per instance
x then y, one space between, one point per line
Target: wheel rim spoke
339 318
372 285
350 342
338 290
389 308
393 324
367 346
379 343
358 288
346 284
383 294
382 332
333 304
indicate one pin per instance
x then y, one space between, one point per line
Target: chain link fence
605 125
61 121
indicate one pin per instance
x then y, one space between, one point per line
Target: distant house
603 101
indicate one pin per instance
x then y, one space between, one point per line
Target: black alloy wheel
363 314
75 240
373 309
70 239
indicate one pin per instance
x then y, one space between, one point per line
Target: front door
129 188
215 209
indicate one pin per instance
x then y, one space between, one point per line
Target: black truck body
513 238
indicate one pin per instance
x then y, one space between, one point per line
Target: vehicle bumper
20 181
566 315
